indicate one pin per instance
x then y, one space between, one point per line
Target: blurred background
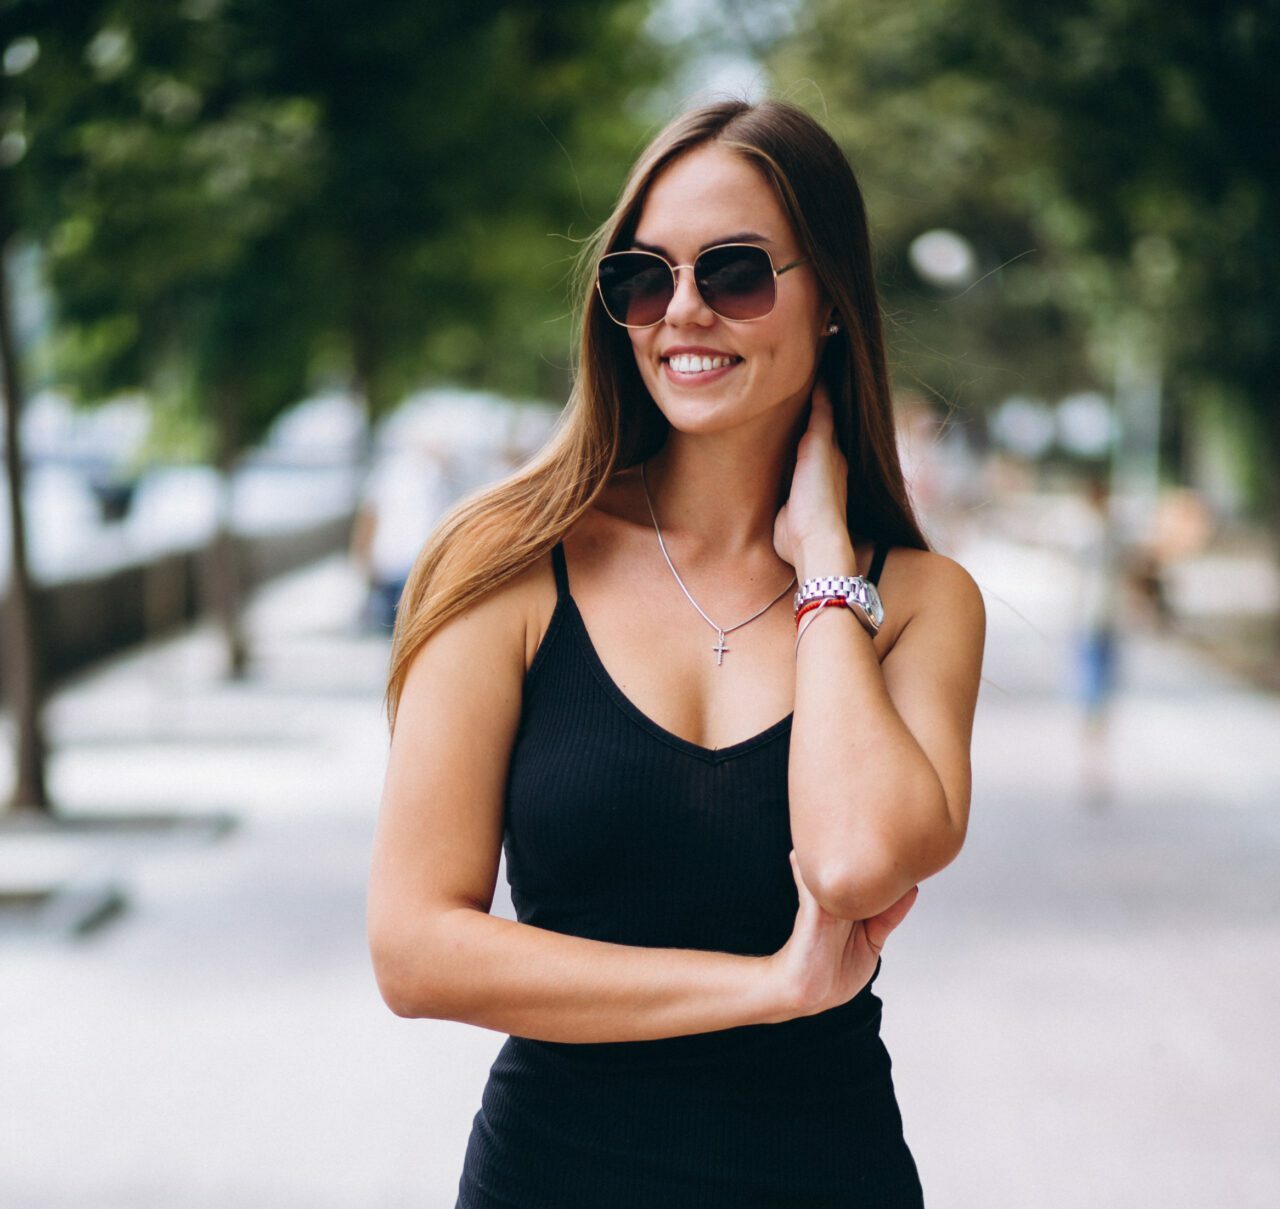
281 281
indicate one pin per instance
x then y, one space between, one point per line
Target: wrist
776 996
831 554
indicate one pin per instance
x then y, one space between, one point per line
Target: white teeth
692 363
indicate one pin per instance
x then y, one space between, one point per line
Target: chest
620 829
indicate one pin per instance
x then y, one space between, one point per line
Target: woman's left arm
879 773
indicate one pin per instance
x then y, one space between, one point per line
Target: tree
19 213
457 135
22 679
224 192
1118 139
384 165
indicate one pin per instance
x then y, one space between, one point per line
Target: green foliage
1114 162
233 195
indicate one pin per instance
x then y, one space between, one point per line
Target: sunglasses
736 280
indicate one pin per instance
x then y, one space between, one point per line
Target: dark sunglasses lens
736 282
635 287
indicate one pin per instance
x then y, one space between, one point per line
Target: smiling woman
775 323
708 843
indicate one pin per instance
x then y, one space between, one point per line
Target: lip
702 377
700 349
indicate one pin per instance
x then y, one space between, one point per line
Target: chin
699 415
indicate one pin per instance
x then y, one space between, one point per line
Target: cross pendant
720 648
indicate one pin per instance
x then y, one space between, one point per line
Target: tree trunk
1269 421
364 327
225 578
22 647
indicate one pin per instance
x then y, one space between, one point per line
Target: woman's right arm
436 950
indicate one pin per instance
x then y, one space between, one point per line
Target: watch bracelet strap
826 586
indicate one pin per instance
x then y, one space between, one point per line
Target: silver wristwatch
858 591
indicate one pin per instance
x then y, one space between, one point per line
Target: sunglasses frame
675 281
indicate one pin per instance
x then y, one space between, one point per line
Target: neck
717 496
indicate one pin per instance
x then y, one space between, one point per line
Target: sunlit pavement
1081 1009
223 1043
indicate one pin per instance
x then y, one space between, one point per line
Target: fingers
795 872
820 428
879 926
820 411
807 900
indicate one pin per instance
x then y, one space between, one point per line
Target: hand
828 960
815 513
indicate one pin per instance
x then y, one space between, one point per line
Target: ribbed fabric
618 830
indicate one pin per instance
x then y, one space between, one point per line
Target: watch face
874 606
866 597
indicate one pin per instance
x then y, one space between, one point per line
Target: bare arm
879 774
532 982
436 950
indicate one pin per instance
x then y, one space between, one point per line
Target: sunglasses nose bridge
693 294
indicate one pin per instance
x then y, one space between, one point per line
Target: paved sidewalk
223 1043
1081 1009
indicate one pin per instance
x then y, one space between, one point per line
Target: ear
828 314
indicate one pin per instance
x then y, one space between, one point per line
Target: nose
687 305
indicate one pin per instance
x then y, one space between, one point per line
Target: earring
832 328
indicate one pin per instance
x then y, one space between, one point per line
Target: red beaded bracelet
811 605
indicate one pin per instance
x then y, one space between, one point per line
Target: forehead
705 195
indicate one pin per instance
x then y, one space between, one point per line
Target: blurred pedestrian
1104 569
708 843
404 495
1099 594
1181 528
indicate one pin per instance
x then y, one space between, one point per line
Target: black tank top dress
618 830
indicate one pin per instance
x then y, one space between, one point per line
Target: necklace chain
721 631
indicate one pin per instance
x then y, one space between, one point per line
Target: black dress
618 830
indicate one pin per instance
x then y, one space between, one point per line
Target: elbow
400 991
861 892
421 967
884 872
405 974
400 1000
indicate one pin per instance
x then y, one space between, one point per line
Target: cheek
788 363
643 353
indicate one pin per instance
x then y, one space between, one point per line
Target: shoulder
516 614
519 610
493 638
932 588
914 569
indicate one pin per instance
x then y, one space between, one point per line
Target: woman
711 824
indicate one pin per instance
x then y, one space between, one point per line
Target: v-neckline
713 755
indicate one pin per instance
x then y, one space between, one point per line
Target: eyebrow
740 237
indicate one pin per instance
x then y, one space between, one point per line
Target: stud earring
832 328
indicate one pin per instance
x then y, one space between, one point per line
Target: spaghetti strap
877 562
562 572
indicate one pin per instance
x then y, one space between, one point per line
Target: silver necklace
721 631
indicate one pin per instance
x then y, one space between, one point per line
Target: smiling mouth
695 363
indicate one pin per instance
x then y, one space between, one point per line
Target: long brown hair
610 422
